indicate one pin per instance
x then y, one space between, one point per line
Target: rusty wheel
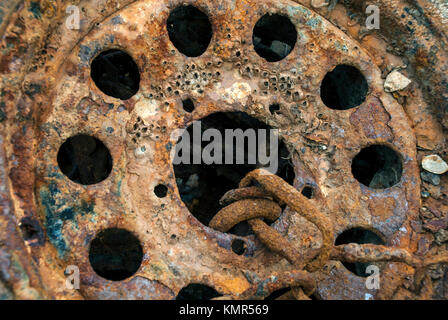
88 114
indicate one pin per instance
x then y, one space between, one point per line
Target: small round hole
197 291
116 74
115 254
308 192
190 30
274 108
238 246
377 167
188 105
359 236
84 159
274 37
161 191
343 88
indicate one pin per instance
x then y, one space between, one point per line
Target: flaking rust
47 95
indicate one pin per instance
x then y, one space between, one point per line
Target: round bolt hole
274 37
377 167
197 291
360 236
238 246
116 74
115 254
84 159
190 30
161 191
308 192
188 105
343 88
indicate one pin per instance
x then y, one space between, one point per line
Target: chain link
254 203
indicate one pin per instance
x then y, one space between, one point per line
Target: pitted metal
48 95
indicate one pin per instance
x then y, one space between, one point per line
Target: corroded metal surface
47 96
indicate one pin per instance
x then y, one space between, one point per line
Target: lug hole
360 236
197 291
116 74
115 254
343 88
274 37
377 167
84 159
190 30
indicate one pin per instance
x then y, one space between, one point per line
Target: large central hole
202 185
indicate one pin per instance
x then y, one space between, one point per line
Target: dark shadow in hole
115 254
201 185
84 159
238 246
190 30
161 191
344 88
277 293
197 291
314 296
274 37
188 105
377 167
116 74
274 108
360 236
308 192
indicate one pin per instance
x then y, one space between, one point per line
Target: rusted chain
244 210
296 278
243 193
354 252
250 203
251 210
299 203
276 242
